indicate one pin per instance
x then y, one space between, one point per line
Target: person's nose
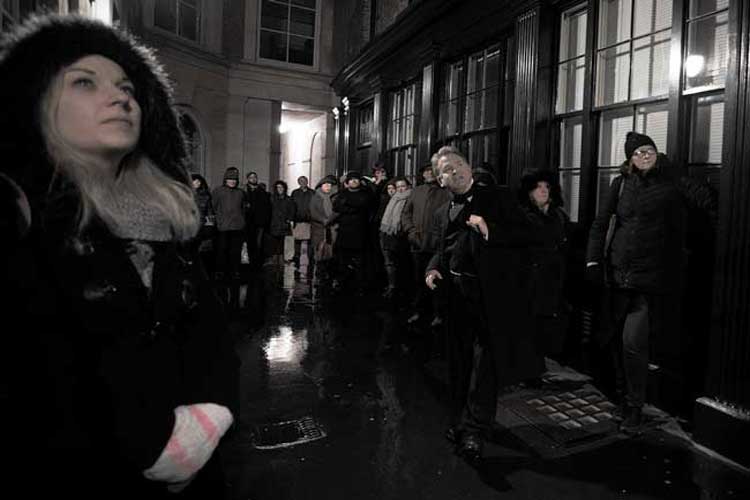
120 97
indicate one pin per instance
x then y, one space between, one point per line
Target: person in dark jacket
229 203
541 201
257 218
643 259
483 238
418 224
392 238
301 231
125 377
352 208
282 216
207 231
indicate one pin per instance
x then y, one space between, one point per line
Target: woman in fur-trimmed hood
124 355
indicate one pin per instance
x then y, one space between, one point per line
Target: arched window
194 143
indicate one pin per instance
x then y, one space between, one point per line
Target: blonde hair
137 175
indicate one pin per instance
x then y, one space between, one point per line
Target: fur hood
33 53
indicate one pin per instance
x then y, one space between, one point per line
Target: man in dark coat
418 224
483 236
352 208
257 218
301 232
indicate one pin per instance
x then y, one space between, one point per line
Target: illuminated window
287 31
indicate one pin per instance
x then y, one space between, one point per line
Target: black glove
595 274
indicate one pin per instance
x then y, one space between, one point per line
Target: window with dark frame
571 71
632 79
403 126
364 125
705 70
181 17
287 31
470 107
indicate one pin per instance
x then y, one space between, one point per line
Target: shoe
470 448
437 321
388 293
632 423
413 318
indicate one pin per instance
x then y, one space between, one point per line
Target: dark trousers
631 317
472 381
426 301
350 267
229 251
255 244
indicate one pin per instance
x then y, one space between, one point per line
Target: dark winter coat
282 214
95 363
230 205
352 211
258 207
500 263
547 260
301 201
647 252
418 215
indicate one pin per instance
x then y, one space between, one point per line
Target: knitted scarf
391 221
142 223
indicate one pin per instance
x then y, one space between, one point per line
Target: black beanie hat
33 53
634 140
353 174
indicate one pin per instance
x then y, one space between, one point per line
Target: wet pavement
349 364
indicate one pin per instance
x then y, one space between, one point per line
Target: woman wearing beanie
541 201
322 234
640 251
282 216
124 376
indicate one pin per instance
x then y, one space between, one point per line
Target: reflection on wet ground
349 363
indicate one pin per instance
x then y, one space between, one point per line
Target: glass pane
614 21
700 7
651 65
652 120
605 176
708 55
301 50
188 22
473 112
492 69
273 45
274 16
453 112
613 127
571 140
490 107
570 184
573 35
303 22
651 15
456 77
304 3
165 15
570 80
613 74
708 130
476 68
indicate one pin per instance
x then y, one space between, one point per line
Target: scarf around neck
391 221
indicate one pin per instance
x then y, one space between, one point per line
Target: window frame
394 126
200 18
462 137
315 38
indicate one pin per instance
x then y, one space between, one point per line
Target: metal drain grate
285 434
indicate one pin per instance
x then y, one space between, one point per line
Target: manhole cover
285 434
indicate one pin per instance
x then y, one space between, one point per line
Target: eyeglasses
643 152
